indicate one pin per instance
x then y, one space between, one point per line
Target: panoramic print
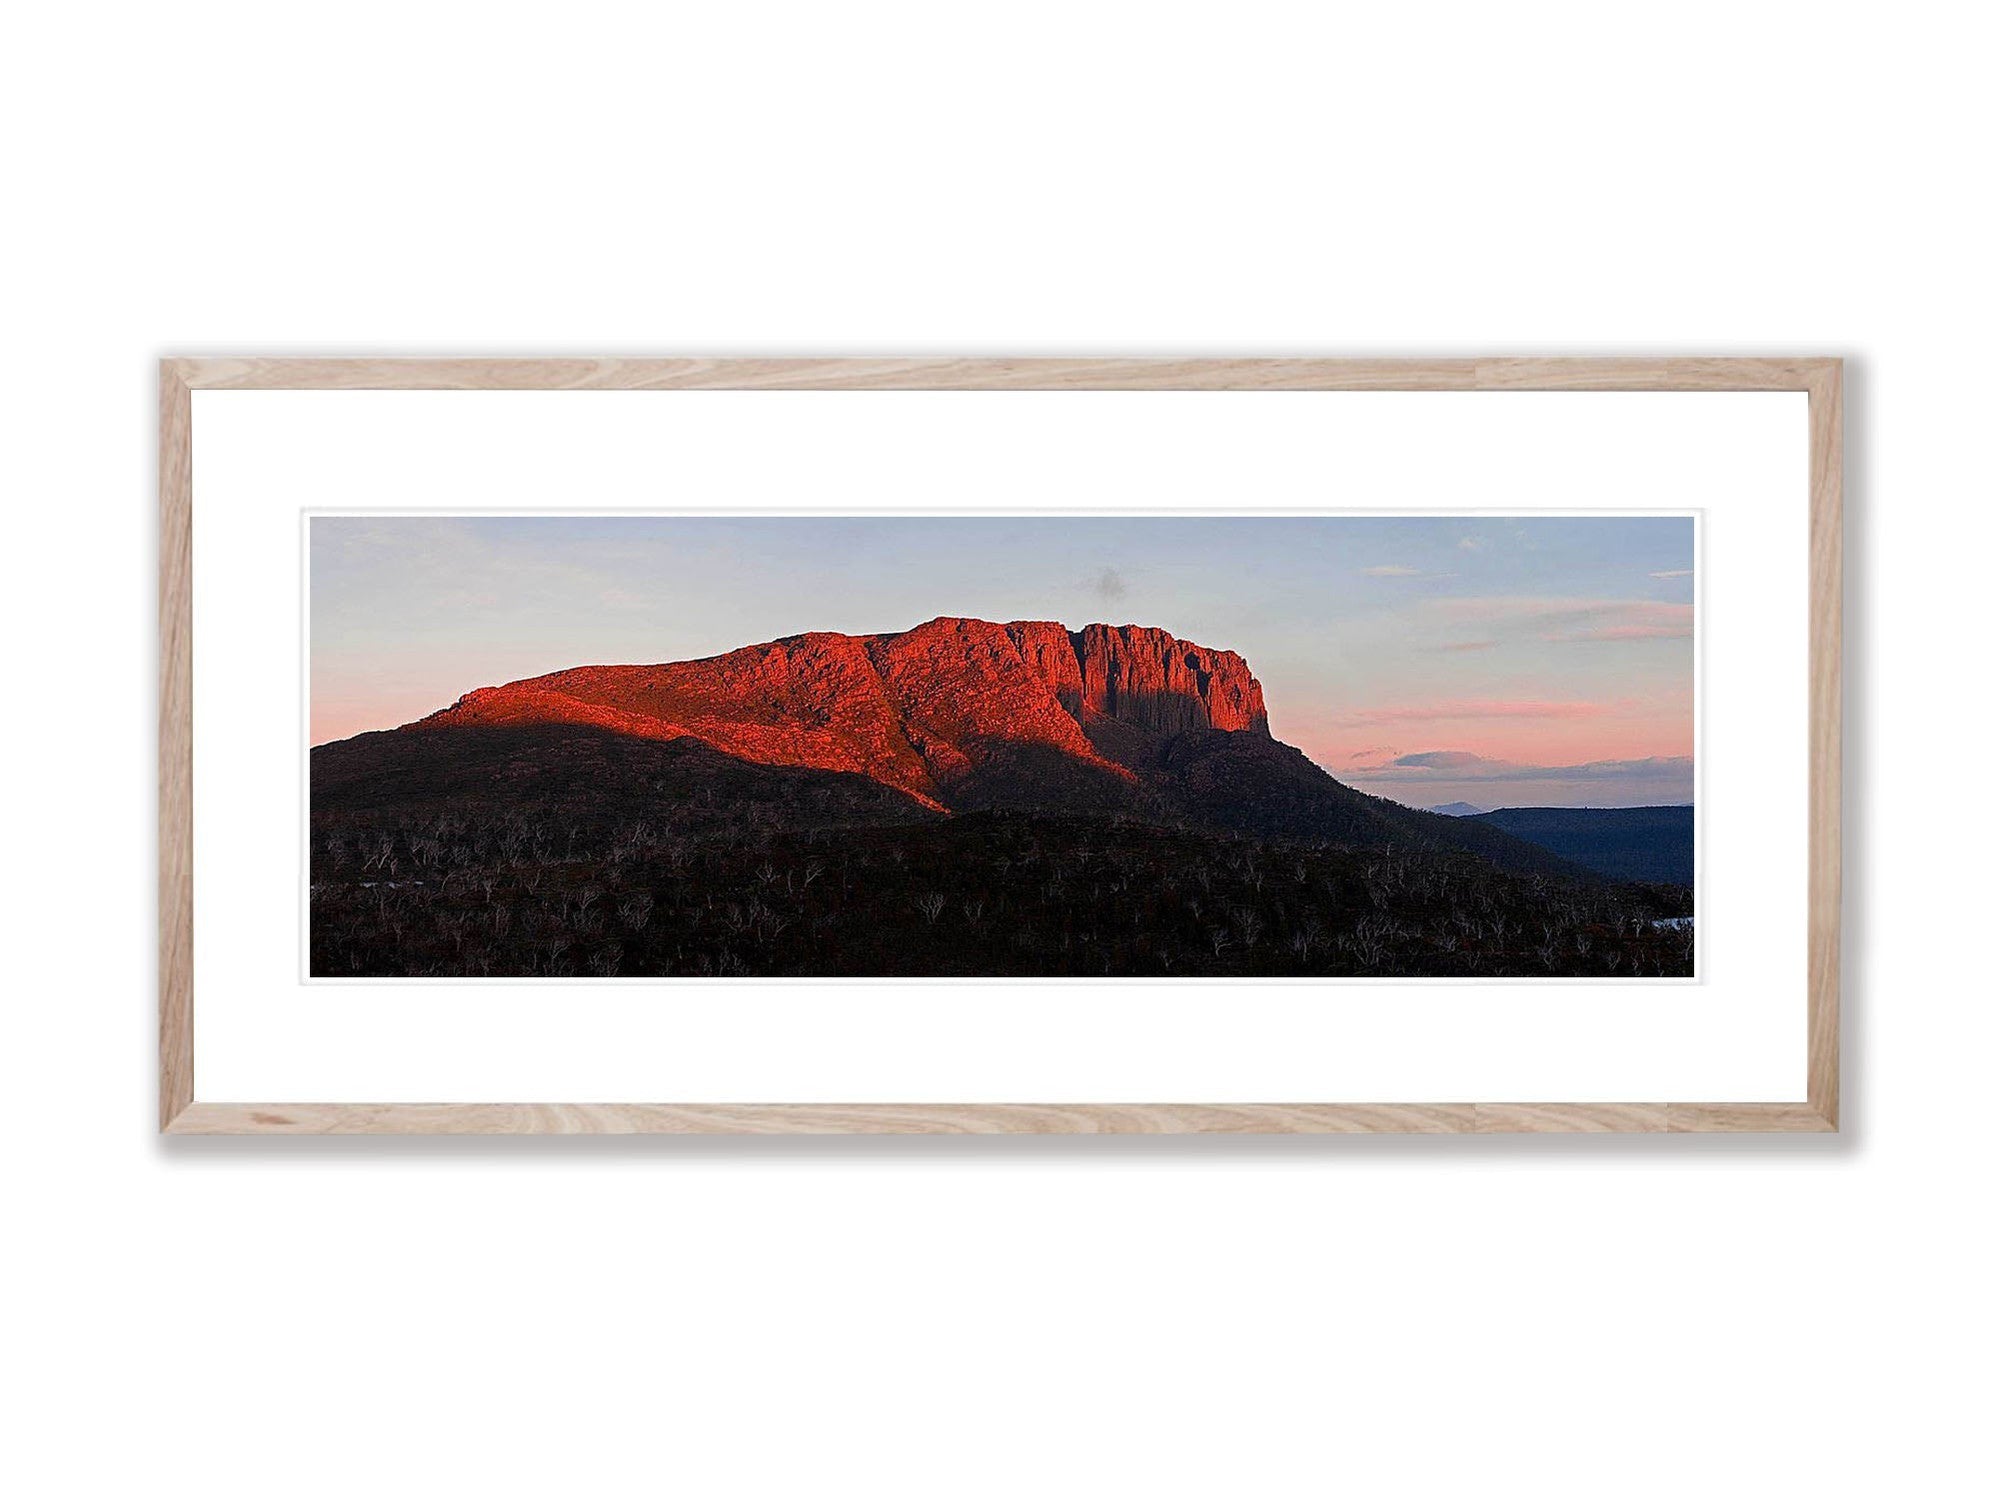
1118 747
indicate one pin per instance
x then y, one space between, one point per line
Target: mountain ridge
925 710
954 715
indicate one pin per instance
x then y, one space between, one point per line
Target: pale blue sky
1533 644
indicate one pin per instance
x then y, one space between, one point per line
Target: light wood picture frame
183 1111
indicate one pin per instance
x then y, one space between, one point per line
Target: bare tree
1248 925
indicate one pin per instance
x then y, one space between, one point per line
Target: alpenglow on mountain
953 716
935 712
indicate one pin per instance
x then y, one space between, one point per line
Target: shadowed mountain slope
1652 844
956 715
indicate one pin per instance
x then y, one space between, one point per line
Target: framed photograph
1059 746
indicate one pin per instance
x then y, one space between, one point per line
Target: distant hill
1458 809
1651 844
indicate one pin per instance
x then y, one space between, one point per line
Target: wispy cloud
1472 543
1563 620
1467 710
1456 767
1375 753
1625 632
1393 570
1109 585
1675 572
1468 645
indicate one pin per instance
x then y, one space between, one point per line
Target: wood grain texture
1823 892
1652 374
993 1118
176 771
829 374
1749 1118
1820 378
822 1119
1570 1118
1000 374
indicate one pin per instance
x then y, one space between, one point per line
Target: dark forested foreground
551 892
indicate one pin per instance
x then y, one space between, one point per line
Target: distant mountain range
1654 845
1457 809
953 716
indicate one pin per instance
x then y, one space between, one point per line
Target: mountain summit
956 713
953 716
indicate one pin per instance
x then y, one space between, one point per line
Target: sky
1500 660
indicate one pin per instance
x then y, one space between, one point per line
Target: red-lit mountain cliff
956 713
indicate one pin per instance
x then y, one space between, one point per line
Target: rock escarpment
1142 676
957 715
1147 677
954 713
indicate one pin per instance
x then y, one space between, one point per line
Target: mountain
956 713
953 716
1654 845
1457 809
960 798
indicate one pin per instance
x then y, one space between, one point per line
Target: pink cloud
1629 632
1467 709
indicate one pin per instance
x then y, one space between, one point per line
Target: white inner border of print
265 1033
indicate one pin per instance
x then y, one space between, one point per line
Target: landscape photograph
1123 747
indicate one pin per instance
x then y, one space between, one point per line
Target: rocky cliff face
1049 651
955 712
1142 676
1146 677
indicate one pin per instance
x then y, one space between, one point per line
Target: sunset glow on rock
925 711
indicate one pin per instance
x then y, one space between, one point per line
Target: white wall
989 1317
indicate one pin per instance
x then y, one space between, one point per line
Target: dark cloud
1430 776
1463 765
1445 760
1108 585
